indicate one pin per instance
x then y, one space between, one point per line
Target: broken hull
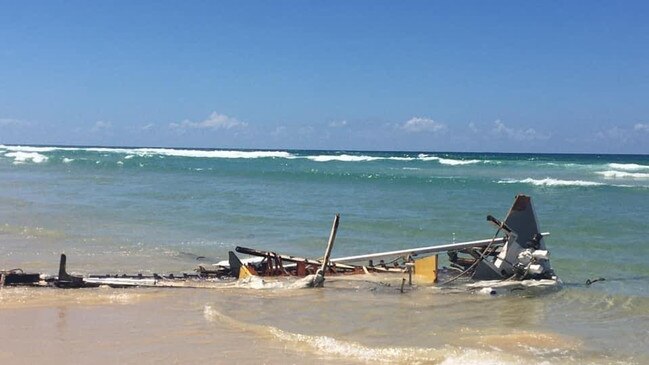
520 255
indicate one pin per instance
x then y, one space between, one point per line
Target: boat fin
66 280
235 264
523 239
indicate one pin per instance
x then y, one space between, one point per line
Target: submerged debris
518 259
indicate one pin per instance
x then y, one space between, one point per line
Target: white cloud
643 127
615 133
10 122
215 121
416 125
101 126
148 126
338 124
473 128
306 130
279 131
529 134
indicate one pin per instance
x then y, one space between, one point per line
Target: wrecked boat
515 258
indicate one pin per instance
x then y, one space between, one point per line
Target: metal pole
319 279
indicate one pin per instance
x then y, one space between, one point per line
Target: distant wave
148 152
28 148
568 164
613 174
23 157
628 166
343 158
361 158
551 182
142 152
448 161
213 153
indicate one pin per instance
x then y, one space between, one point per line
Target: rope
588 281
477 261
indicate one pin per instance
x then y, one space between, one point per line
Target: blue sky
503 76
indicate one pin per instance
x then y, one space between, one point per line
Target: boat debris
517 259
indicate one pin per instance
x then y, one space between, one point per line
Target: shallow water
161 210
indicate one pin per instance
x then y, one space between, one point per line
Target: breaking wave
343 158
449 161
237 154
551 182
326 345
614 174
28 148
145 152
420 157
628 166
24 157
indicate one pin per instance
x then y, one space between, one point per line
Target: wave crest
551 182
331 346
146 152
614 174
343 158
24 157
448 161
628 166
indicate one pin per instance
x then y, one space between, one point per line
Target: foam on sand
24 157
548 181
331 346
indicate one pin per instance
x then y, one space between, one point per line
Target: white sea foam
356 158
28 148
67 160
628 166
213 153
551 182
343 158
448 161
158 151
614 174
23 157
162 152
568 165
331 346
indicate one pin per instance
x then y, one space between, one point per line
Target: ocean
160 210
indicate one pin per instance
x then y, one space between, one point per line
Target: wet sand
348 322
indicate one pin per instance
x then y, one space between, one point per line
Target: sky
472 76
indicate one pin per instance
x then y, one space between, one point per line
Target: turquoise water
158 209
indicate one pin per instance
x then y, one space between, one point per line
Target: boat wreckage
514 258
